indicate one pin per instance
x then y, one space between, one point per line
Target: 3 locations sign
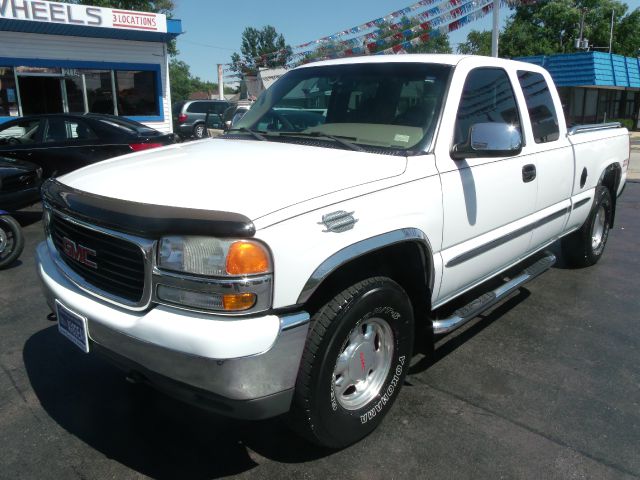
54 12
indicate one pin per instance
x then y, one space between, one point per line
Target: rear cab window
542 110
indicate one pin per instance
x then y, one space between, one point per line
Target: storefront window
75 94
54 90
8 94
99 91
590 106
137 93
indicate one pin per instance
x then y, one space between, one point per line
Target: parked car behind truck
60 143
189 117
293 273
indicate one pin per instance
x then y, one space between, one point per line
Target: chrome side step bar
483 302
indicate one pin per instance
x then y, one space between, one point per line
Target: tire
585 246
199 131
363 335
11 240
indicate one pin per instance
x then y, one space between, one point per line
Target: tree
180 78
183 84
478 43
438 44
435 44
264 48
553 26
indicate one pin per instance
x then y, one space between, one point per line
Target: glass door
40 94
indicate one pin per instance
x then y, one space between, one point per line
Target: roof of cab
443 59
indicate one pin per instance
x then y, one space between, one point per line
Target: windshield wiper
335 138
248 130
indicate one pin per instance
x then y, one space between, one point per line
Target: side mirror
489 140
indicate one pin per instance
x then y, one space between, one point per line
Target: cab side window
542 111
487 97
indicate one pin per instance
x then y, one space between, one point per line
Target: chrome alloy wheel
3 240
363 363
598 228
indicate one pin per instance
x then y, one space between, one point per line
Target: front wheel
354 363
11 240
585 246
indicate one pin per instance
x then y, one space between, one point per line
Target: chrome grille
119 264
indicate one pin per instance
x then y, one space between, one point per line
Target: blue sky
213 29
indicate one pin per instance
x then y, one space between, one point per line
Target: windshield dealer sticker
401 138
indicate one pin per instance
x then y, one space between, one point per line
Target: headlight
213 257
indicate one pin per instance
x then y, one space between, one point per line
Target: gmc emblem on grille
78 252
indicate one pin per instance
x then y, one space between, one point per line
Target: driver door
19 138
487 202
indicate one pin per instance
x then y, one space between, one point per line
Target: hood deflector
143 219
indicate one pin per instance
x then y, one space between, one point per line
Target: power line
206 45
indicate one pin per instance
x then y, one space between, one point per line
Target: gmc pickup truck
288 266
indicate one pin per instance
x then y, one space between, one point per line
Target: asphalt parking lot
547 385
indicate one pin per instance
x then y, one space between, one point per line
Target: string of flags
444 17
378 22
371 23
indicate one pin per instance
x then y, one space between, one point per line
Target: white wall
58 47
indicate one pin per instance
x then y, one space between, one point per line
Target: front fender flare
363 247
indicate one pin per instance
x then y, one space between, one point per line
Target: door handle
528 173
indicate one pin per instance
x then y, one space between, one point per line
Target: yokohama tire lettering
377 408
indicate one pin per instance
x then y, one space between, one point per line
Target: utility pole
611 33
496 28
220 82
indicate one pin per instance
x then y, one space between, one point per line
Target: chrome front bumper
193 353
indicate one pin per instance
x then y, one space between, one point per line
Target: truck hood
250 177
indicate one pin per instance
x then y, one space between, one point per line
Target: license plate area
73 326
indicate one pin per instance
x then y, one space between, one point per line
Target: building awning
595 69
54 18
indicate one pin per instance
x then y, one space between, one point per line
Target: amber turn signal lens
238 301
247 258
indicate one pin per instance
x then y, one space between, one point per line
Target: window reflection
136 93
99 91
8 94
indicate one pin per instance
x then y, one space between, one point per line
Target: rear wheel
585 246
199 131
11 240
355 360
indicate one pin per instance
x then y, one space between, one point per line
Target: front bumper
240 367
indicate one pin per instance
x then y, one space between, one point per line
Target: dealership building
595 86
57 57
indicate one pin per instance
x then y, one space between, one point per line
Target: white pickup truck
289 265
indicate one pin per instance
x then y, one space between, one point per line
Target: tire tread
300 415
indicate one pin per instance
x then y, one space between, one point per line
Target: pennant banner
447 16
442 13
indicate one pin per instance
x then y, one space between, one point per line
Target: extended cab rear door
487 202
549 150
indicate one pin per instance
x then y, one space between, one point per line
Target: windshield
391 105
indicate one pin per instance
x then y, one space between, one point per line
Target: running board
483 302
